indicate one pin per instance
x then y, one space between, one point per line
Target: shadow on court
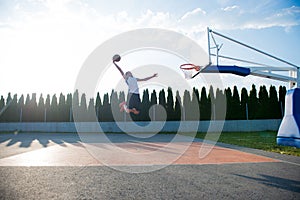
26 139
276 182
53 165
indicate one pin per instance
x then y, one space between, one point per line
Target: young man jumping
133 89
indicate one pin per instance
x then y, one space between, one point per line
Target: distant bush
248 105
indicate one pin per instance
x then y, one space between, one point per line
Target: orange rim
188 66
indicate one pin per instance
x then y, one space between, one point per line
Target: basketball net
189 70
188 73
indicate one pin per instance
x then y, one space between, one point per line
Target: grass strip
258 140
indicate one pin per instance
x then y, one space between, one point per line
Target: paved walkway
163 166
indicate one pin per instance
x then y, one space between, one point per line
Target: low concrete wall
156 126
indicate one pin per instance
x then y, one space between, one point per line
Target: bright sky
44 43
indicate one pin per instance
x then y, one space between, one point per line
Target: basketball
116 58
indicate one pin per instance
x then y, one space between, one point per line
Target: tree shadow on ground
26 139
45 139
277 182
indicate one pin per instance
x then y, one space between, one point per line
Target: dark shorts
134 101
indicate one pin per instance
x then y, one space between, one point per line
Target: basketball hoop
190 70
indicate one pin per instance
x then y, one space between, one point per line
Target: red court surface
126 154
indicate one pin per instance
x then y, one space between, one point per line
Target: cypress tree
114 107
144 115
16 109
194 107
178 107
196 96
63 115
33 108
68 107
220 105
75 101
53 114
187 109
170 105
253 103
122 99
40 109
153 99
83 108
275 112
83 105
91 111
6 113
2 107
205 106
7 110
21 107
236 105
26 110
153 105
162 98
244 104
282 93
105 114
75 106
47 112
8 99
12 110
212 102
2 103
98 106
161 112
229 104
263 103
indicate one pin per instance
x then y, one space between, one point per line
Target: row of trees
193 105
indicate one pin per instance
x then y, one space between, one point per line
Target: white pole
217 55
208 41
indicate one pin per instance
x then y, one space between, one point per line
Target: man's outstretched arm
119 68
147 78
